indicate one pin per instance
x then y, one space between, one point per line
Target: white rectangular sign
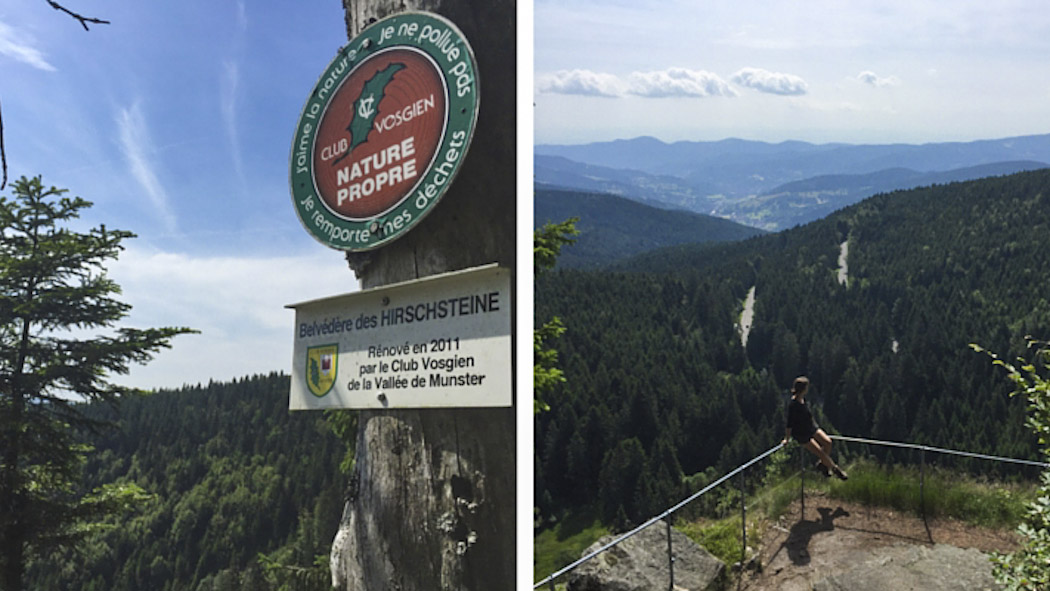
441 341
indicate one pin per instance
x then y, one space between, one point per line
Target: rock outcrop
931 568
640 564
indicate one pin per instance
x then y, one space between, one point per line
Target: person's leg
818 451
823 440
825 459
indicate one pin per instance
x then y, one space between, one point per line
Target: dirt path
747 317
835 536
843 266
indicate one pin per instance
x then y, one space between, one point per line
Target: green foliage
1029 568
53 288
284 577
613 228
344 424
721 538
563 544
545 371
947 493
233 476
547 244
548 241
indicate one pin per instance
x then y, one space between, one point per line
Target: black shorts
805 436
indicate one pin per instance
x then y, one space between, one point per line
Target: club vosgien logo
321 364
384 132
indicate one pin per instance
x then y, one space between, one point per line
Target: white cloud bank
670 82
581 82
678 82
869 77
238 304
770 82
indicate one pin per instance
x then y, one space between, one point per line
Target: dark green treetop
53 292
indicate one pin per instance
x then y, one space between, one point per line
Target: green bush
721 538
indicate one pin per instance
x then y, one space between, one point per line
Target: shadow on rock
802 532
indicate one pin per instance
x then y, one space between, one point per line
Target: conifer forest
877 304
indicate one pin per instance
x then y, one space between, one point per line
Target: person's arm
787 436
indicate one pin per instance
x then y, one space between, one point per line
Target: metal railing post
670 557
743 521
922 482
802 496
802 483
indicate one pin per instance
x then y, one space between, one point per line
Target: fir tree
53 289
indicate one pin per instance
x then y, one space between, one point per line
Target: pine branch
83 20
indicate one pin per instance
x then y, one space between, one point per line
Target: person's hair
800 385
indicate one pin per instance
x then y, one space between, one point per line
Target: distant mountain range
612 227
774 186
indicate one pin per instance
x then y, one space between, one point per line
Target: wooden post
432 500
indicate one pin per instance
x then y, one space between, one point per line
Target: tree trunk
432 498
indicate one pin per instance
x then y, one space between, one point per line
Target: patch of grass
721 538
773 500
563 544
946 494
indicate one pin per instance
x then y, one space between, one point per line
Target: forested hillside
235 475
660 387
613 227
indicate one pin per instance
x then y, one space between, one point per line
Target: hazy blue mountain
801 202
726 177
612 227
555 172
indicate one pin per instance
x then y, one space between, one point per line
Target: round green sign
384 131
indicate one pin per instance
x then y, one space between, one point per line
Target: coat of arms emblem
321 365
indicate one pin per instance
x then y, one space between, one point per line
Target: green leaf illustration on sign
367 105
315 373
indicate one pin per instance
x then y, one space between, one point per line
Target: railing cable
666 513
942 450
924 448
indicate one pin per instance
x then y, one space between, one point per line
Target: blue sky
176 121
858 71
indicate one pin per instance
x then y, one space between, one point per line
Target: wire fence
739 471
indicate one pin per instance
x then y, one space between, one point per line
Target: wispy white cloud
581 82
869 77
238 304
228 86
770 82
678 82
242 17
138 148
18 47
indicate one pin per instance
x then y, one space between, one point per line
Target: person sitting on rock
802 427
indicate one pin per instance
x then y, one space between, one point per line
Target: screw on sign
384 131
